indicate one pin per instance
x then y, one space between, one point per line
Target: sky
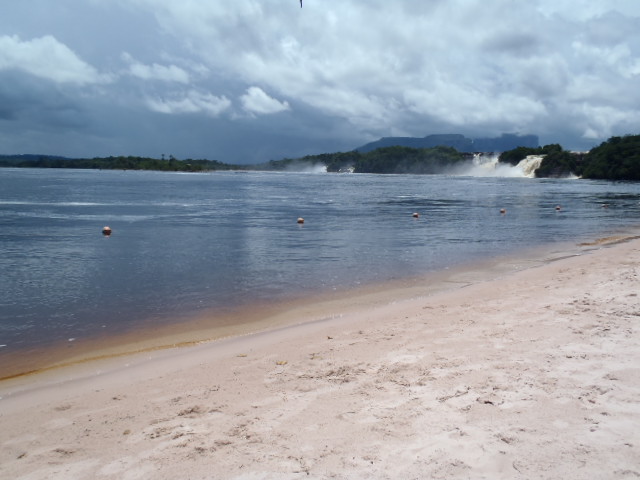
247 81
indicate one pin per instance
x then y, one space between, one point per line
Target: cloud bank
47 58
260 79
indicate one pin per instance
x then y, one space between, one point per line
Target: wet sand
527 370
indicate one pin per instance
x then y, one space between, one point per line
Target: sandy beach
534 373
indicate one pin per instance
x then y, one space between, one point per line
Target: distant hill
459 142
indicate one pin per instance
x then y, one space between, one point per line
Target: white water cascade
530 164
489 166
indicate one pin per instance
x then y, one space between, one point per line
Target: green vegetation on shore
381 160
616 159
116 163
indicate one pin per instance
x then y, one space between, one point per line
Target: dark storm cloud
39 103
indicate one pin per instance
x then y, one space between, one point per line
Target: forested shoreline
618 158
115 163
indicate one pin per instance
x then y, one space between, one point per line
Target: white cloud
46 57
171 73
400 65
190 102
586 9
256 101
600 121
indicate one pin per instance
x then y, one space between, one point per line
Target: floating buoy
416 215
503 211
300 220
558 208
106 231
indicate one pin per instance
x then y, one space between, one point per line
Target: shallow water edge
251 318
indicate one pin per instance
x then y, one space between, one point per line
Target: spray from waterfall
301 167
488 166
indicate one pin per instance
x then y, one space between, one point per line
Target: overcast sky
252 80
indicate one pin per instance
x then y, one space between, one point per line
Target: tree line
116 163
396 159
618 158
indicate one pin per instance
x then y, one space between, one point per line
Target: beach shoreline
528 370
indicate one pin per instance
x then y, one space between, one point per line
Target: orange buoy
300 220
106 231
416 215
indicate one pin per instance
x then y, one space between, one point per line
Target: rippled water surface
185 242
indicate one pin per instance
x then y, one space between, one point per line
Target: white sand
532 375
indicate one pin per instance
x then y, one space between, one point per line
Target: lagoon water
184 243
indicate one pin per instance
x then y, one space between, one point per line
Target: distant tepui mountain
461 143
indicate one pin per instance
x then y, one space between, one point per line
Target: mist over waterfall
471 165
488 166
302 167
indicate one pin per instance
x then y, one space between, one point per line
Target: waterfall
530 164
489 162
488 165
483 165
